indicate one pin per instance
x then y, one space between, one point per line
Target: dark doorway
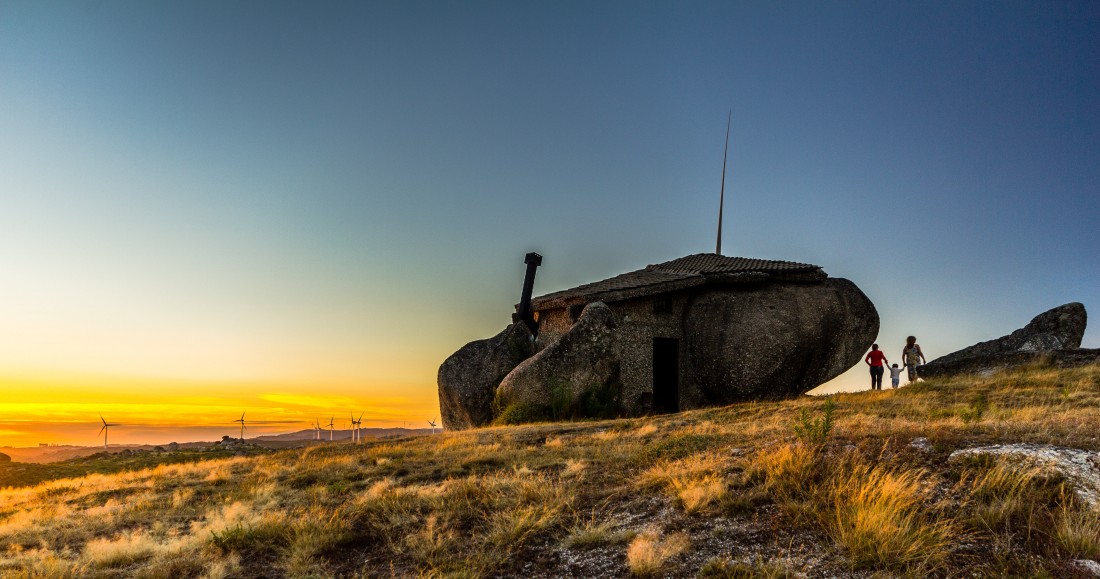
666 375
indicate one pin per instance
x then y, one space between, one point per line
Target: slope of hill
858 486
346 434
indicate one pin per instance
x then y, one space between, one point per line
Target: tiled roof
714 263
673 275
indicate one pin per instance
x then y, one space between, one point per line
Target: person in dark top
912 356
877 361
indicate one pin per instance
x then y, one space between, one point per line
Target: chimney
533 260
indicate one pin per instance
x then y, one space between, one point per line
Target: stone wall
638 323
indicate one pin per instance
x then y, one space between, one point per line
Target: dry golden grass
649 551
594 533
785 470
725 568
878 517
491 501
697 494
1077 532
1001 496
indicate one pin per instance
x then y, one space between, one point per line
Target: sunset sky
299 210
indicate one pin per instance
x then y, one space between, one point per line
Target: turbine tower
722 192
103 430
357 423
432 422
330 427
241 420
316 429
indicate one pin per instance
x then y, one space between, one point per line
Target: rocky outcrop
580 364
469 378
4 458
777 340
1080 467
1054 335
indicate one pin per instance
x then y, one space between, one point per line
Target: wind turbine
356 423
330 427
241 420
103 430
432 422
316 429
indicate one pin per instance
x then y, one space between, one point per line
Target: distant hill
346 434
44 454
49 454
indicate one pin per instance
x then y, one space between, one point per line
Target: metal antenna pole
722 194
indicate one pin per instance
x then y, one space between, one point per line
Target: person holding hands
876 360
912 356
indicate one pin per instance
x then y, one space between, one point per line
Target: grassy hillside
759 489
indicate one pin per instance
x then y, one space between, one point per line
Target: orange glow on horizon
66 409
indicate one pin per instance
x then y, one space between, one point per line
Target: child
895 375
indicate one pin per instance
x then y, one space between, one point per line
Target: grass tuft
649 552
877 517
724 568
593 533
785 470
1077 532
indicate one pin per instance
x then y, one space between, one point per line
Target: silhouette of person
876 360
912 356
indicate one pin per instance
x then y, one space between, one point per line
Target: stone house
701 330
653 307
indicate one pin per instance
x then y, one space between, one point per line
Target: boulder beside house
702 330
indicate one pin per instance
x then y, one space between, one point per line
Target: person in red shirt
877 361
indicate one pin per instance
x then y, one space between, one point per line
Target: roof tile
670 275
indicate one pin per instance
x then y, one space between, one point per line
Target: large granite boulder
1054 333
777 340
469 378
574 368
4 458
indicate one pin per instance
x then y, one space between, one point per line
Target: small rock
921 443
1088 566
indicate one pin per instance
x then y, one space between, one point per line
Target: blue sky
335 196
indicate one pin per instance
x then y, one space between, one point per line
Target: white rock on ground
1080 467
1088 566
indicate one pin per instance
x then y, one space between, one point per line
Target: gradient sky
300 209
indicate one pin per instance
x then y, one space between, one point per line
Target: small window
662 306
575 311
